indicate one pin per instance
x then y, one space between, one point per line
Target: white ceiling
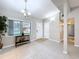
59 4
73 4
38 8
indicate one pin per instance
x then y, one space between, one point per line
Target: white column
65 27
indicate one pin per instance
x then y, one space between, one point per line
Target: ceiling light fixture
25 11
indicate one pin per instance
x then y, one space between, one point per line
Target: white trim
32 40
8 46
76 45
15 19
56 41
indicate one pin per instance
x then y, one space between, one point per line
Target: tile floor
40 49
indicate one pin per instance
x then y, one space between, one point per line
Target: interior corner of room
30 21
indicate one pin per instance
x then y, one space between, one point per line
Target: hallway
40 49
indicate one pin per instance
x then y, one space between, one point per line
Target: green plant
3 28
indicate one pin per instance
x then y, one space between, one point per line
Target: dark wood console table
20 40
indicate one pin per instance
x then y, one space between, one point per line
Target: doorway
70 30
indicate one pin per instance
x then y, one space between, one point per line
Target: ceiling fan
25 12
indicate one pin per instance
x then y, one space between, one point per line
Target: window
16 28
26 27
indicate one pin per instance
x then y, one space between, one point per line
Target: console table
20 40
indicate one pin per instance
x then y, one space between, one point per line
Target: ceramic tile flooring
40 49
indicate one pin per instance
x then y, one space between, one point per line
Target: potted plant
3 28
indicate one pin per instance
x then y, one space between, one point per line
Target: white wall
33 30
10 40
39 30
46 30
52 28
75 14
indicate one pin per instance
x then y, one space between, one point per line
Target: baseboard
8 46
32 40
56 41
76 45
50 39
